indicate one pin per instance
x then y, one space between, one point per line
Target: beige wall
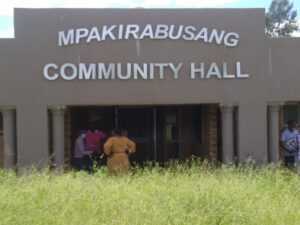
36 45
272 64
284 69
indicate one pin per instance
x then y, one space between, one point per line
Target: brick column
227 133
58 113
213 132
273 128
9 135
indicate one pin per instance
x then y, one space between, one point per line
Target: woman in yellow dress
117 148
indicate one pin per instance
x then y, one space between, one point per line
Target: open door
138 121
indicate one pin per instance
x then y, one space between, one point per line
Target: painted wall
272 65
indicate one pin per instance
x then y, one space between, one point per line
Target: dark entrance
160 132
154 129
167 133
138 121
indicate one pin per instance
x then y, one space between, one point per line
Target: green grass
180 194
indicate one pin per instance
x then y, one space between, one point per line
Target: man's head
291 125
116 132
92 127
124 132
81 133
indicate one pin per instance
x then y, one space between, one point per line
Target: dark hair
81 131
124 132
116 131
92 127
290 122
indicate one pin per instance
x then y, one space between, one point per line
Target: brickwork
212 132
188 145
208 147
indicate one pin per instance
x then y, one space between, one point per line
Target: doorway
161 133
138 121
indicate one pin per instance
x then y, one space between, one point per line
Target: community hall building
183 82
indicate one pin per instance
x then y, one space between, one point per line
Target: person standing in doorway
94 138
294 144
287 134
117 148
80 152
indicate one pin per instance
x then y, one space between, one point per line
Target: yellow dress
117 148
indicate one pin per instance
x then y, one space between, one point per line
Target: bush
191 193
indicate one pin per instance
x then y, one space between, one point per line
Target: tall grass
195 193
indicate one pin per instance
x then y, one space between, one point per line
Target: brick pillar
212 133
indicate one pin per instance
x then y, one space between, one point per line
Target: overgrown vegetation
193 193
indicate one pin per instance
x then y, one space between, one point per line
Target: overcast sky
6 6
